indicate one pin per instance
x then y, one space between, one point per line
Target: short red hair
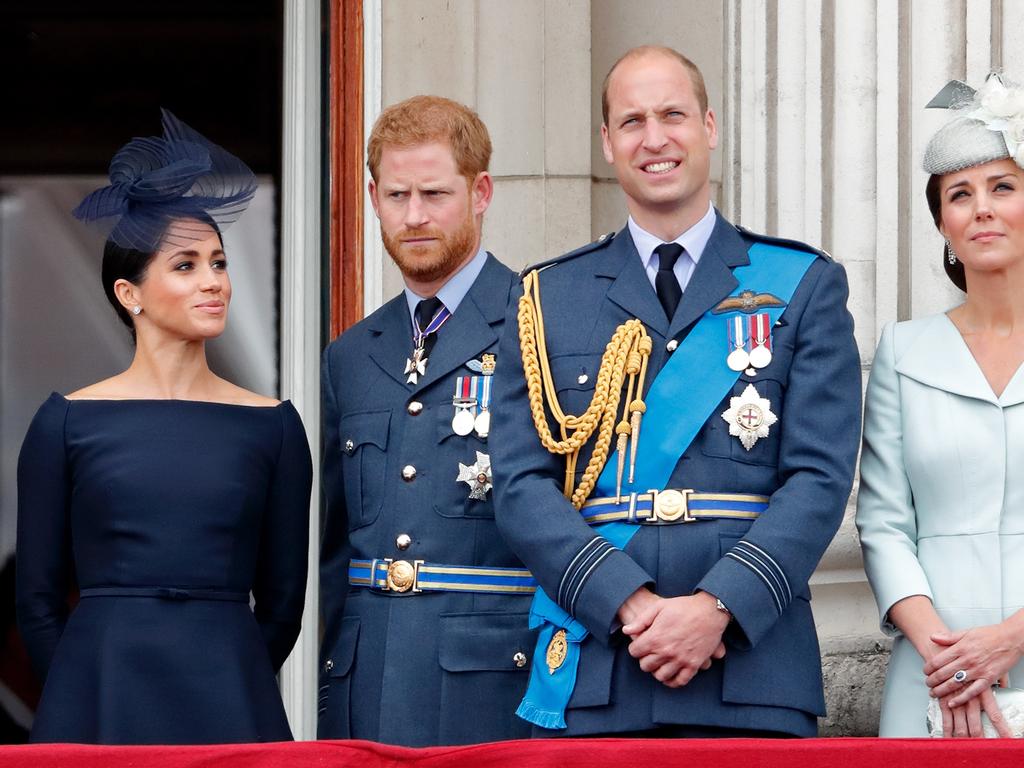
425 119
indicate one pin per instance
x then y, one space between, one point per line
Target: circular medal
737 359
462 422
760 356
483 423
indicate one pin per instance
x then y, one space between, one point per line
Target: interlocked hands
981 656
673 638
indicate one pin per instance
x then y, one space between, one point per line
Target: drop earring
951 254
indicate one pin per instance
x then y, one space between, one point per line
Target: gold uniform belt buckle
671 506
403 576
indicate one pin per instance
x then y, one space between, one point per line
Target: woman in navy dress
170 497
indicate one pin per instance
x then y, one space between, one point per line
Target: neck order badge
438 313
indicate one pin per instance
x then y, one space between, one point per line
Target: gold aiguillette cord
624 362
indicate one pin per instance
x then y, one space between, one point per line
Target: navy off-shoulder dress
166 514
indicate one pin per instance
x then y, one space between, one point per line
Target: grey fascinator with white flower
988 124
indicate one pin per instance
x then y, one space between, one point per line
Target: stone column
525 68
827 127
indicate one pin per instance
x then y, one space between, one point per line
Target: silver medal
462 421
760 356
477 476
738 359
483 423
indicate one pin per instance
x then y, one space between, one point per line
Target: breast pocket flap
368 428
481 642
344 653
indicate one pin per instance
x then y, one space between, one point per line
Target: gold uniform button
329 665
672 345
404 541
408 473
349 446
519 659
415 408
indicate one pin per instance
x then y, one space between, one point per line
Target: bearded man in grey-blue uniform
713 458
424 605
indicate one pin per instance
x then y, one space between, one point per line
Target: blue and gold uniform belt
673 506
389 575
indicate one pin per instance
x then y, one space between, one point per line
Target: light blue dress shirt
693 240
454 291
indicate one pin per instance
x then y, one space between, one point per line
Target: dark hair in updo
123 264
933 193
120 263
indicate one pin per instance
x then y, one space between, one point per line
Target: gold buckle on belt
671 506
402 575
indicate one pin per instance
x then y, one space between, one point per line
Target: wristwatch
721 606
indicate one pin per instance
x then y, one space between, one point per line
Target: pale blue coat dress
941 503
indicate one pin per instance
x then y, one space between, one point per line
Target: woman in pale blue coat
941 502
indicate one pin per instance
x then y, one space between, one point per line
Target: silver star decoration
416 366
749 417
477 476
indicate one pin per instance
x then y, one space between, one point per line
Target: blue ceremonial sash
678 405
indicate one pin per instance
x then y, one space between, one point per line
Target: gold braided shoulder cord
625 357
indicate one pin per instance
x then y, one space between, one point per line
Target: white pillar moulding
300 312
978 31
373 248
1010 29
854 171
887 168
749 75
796 183
938 54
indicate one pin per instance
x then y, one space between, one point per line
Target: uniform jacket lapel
470 330
392 331
631 289
712 280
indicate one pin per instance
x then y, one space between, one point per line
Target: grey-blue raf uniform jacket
770 678
428 668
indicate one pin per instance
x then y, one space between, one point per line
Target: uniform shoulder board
783 242
601 242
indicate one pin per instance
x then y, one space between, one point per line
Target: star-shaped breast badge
477 476
749 417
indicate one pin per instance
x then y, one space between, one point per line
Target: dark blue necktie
665 283
425 312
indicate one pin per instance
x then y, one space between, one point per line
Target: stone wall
820 107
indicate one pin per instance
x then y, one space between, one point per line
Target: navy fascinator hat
168 190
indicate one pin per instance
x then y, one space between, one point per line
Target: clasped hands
673 638
963 670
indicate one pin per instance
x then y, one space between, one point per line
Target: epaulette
783 242
598 244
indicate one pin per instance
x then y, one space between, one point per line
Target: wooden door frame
345 113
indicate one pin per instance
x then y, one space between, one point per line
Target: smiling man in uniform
713 458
